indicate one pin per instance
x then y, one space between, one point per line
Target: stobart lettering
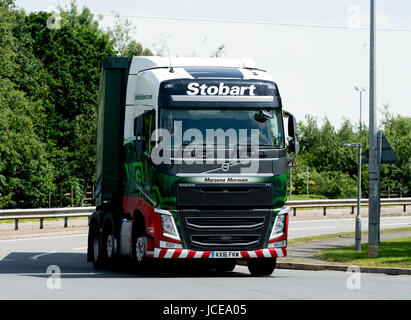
194 88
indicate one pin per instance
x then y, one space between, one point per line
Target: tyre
140 249
109 248
94 245
226 265
139 246
261 267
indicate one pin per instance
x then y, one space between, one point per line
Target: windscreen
268 123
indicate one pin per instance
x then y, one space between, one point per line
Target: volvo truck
192 157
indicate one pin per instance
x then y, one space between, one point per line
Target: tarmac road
24 264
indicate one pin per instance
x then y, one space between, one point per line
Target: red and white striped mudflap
189 254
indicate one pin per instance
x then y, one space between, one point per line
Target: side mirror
293 134
138 133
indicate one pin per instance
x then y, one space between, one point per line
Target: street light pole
361 90
358 217
373 183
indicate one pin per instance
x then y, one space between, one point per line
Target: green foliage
71 56
26 172
120 37
333 167
397 178
219 52
49 80
135 48
26 175
48 103
330 184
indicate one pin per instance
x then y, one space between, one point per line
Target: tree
49 77
25 173
121 39
72 56
397 129
219 52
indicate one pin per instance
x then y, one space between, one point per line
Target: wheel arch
139 223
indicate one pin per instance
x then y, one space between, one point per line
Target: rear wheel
108 244
261 267
139 244
94 246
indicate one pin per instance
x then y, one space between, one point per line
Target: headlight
279 225
168 224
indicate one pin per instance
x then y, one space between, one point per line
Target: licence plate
225 254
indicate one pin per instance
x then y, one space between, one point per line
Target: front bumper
193 254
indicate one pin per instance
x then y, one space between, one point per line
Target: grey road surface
24 264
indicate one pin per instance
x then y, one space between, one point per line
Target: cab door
144 126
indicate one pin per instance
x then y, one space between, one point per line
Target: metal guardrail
21 214
345 203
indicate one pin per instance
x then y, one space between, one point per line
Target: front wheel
261 267
140 249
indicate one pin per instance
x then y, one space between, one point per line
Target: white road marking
348 219
314 228
41 238
60 274
34 258
79 249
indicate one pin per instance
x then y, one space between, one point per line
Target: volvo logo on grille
225 167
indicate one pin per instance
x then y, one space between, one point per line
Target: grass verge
392 253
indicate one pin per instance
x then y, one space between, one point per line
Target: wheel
109 254
140 249
261 267
226 265
139 245
95 247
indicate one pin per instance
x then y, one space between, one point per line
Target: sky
316 50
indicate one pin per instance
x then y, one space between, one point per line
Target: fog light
170 245
278 244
